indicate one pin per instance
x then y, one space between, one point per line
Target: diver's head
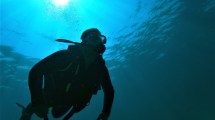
93 37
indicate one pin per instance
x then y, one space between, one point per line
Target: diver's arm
35 82
108 92
47 65
36 74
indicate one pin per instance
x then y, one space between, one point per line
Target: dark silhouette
68 79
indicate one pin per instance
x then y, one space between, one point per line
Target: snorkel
91 38
66 41
101 48
103 40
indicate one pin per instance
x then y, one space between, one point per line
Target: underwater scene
160 54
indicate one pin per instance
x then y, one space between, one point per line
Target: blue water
160 54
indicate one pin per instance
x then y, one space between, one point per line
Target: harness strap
75 109
70 114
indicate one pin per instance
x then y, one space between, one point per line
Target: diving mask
103 39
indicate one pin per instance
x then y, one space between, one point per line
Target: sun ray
59 3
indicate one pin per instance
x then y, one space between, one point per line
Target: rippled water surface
160 53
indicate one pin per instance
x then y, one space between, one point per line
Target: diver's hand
41 110
25 115
103 116
26 112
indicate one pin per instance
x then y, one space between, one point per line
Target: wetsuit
96 71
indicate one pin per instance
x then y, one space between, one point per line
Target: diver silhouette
66 80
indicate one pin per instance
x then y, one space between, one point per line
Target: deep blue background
160 54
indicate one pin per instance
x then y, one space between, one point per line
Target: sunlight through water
60 2
160 54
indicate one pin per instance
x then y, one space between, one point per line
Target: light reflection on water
160 55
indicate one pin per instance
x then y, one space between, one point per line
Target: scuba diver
66 80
